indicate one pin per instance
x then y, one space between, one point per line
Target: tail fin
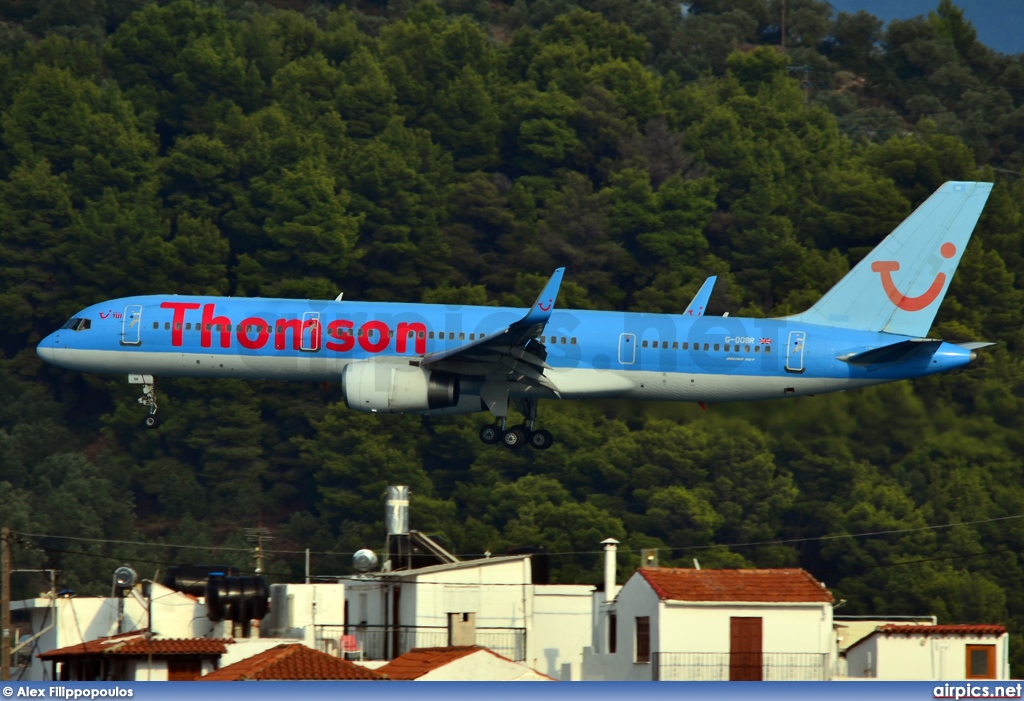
899 286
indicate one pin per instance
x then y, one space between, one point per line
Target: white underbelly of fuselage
571 383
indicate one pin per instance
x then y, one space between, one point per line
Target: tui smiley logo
885 268
540 305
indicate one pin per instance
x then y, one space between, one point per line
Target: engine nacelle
393 388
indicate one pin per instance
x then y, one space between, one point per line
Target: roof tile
136 644
770 586
291 662
958 629
417 662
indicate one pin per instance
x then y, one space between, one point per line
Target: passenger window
167 326
572 340
430 335
716 346
664 345
281 330
767 349
216 327
542 339
228 327
420 334
472 337
462 336
675 345
746 349
451 335
686 345
156 324
705 346
188 326
757 349
644 344
726 348
563 340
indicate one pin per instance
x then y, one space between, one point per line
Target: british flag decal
765 341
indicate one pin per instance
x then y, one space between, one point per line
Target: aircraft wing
514 351
700 300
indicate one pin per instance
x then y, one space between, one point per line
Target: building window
643 639
613 632
981 661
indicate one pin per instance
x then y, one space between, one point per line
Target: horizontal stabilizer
975 345
893 353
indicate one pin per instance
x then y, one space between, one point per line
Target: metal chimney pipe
396 510
609 568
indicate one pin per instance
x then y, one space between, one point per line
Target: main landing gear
515 437
148 398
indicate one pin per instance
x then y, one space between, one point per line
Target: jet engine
393 388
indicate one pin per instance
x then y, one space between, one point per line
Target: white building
931 652
491 602
50 623
712 625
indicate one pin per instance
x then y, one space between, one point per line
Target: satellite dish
125 577
364 560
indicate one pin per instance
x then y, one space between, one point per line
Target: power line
785 541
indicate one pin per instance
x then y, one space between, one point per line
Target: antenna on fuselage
340 295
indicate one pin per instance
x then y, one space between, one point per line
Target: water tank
191 579
238 599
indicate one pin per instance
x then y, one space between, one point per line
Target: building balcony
388 642
740 666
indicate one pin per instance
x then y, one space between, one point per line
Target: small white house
490 602
714 625
931 652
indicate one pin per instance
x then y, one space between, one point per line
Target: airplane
870 328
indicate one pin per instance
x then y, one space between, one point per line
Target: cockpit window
78 324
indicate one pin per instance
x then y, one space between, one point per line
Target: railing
740 666
388 642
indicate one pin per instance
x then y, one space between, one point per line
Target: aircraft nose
45 348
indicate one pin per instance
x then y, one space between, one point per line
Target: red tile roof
135 644
415 663
290 662
961 629
772 586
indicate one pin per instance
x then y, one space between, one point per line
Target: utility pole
5 604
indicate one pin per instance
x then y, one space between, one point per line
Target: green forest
457 151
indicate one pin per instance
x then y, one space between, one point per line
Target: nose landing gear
148 398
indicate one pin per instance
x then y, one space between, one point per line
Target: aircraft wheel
151 421
513 438
490 434
541 440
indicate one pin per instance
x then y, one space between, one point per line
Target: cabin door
627 348
131 325
310 332
795 352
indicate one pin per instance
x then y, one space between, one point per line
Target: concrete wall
561 629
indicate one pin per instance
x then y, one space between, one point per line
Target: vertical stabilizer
900 285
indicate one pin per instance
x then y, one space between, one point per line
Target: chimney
609 568
461 629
